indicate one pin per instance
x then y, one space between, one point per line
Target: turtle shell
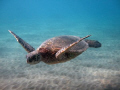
55 44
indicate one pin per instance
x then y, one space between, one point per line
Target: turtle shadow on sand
57 49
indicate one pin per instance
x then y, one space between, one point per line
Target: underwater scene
36 21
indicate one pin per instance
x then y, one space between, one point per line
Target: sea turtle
55 50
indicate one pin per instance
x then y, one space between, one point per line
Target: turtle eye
37 57
33 58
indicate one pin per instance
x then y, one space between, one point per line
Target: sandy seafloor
95 69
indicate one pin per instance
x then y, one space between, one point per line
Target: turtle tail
24 44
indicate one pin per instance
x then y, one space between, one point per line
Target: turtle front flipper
66 48
24 44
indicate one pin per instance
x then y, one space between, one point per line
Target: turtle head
33 57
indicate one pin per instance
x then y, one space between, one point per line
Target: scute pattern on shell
56 43
50 47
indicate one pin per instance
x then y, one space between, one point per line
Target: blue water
38 20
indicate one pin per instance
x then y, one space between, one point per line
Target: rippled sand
95 69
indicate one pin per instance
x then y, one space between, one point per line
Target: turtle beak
29 58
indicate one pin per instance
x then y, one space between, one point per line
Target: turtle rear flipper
65 49
93 43
24 44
